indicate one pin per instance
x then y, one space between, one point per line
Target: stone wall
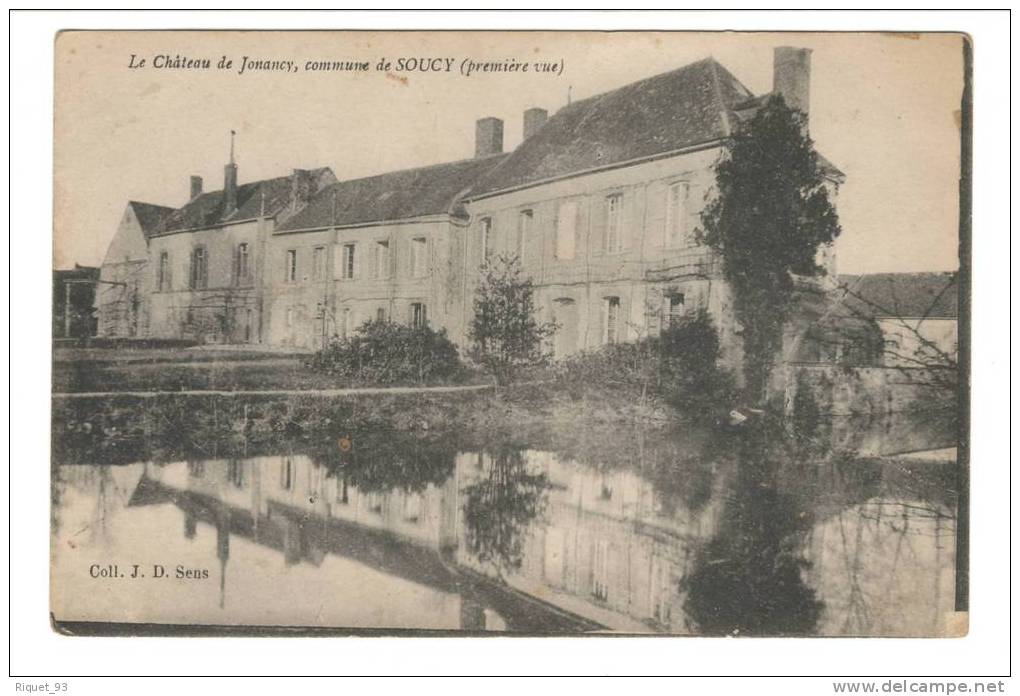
843 390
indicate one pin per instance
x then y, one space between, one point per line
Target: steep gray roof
149 215
400 195
694 105
689 106
905 295
267 197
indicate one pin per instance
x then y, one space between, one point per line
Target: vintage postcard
551 333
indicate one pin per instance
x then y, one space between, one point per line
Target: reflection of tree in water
500 506
748 578
882 554
386 460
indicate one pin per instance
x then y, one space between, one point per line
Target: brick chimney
533 120
791 76
230 182
488 137
196 187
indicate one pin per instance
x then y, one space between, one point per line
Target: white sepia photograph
416 333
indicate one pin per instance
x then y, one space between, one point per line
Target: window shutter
692 209
338 261
555 236
658 192
581 227
600 216
628 220
604 321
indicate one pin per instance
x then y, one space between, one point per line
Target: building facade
917 314
208 260
600 202
74 292
382 247
123 291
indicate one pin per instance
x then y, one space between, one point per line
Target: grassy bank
174 427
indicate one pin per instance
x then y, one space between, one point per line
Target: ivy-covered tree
770 215
504 333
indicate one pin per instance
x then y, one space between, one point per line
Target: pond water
685 532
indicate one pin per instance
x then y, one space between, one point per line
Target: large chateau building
600 202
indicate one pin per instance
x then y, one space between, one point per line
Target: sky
884 109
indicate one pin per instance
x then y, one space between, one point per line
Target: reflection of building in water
604 547
538 542
292 505
106 489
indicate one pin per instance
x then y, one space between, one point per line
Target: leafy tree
770 215
500 507
748 579
504 333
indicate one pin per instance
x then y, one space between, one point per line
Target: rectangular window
199 269
485 239
163 281
412 507
347 262
566 229
419 257
380 314
382 259
319 263
611 320
290 266
375 503
242 265
676 214
614 233
677 309
286 474
346 323
660 591
235 472
524 221
600 571
418 317
290 317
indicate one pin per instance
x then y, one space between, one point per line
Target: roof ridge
131 201
687 66
723 109
406 170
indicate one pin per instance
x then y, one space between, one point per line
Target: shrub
385 352
678 366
